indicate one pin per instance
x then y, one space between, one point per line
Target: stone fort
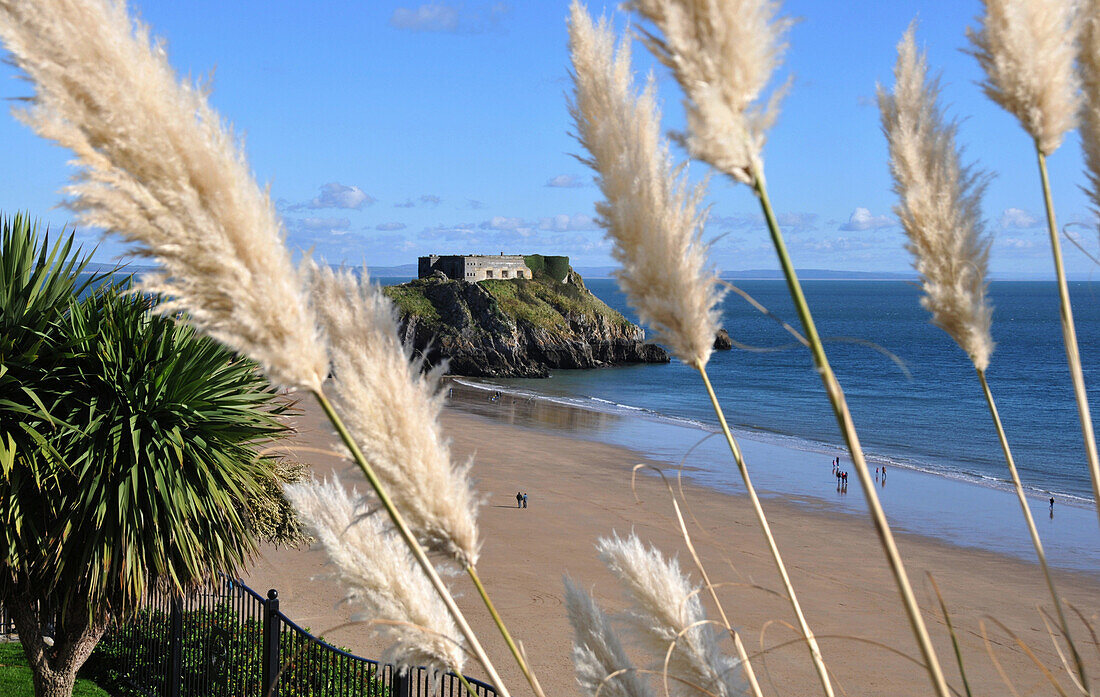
474 267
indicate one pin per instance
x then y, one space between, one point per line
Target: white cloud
500 222
1015 243
566 181
425 201
336 195
387 227
436 17
447 18
567 223
861 219
556 223
797 222
313 226
1018 219
736 222
837 244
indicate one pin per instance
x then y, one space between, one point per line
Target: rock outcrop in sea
517 327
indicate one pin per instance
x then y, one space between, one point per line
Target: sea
914 396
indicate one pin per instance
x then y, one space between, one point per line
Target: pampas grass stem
1069 335
739 458
851 438
738 644
411 541
520 659
1035 541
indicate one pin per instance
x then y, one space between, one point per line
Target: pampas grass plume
723 54
650 213
1027 49
157 166
667 609
392 410
380 574
597 651
1088 60
940 205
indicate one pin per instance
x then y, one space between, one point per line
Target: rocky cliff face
518 327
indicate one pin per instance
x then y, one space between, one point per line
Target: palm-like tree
144 458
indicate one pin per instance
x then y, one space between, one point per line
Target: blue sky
387 130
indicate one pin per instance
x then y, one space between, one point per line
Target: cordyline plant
157 166
138 461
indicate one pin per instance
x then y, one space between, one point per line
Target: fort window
504 273
488 273
519 274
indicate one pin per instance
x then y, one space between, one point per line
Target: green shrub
556 267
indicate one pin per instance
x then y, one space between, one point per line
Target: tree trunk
74 639
53 684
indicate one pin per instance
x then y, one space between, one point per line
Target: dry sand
579 490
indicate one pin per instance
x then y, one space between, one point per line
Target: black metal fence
228 641
7 624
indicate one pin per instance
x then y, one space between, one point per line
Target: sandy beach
580 489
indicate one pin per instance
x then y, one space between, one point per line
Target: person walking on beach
525 499
519 499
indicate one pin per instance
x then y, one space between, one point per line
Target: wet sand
580 489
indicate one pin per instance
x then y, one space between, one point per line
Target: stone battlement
474 267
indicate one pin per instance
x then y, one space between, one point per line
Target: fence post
175 649
271 644
402 683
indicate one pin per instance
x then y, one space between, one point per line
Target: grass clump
548 304
411 300
16 679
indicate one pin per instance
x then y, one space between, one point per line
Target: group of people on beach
521 499
842 475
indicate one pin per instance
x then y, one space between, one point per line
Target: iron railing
226 640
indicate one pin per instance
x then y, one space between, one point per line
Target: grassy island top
541 301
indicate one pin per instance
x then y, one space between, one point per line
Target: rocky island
537 317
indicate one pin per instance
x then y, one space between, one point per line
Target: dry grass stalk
940 205
392 409
723 54
940 210
601 664
643 215
157 166
650 213
717 28
1027 49
381 576
669 619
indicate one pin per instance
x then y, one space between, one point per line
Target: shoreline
580 490
962 511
